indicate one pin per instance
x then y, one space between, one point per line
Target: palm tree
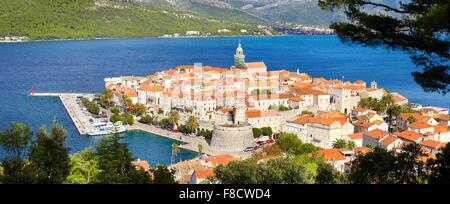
340 144
200 149
108 96
351 145
393 110
192 123
175 151
126 102
174 117
140 109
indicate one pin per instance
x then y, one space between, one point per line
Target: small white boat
107 128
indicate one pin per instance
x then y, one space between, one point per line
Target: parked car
248 149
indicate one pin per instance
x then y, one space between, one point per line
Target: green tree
417 27
146 119
140 109
115 117
49 157
83 167
340 144
200 149
108 96
126 103
164 123
164 175
257 132
267 131
327 174
351 145
192 124
440 168
175 151
393 110
127 118
411 119
237 172
114 162
369 103
16 139
115 110
173 118
283 171
160 111
290 143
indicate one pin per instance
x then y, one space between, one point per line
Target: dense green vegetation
68 19
91 106
45 159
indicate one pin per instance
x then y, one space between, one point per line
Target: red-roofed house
334 157
374 137
433 146
357 138
420 127
264 118
408 136
390 143
201 175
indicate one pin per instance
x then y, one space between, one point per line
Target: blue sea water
80 66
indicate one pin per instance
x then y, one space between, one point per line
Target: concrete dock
69 100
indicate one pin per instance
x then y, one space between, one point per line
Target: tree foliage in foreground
115 166
417 27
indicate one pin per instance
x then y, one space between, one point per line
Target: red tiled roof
408 135
419 125
431 144
356 136
376 134
330 154
255 113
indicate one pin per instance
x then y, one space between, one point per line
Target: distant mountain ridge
294 11
69 19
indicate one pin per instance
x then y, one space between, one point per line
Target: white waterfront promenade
69 100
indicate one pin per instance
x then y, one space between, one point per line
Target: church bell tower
239 57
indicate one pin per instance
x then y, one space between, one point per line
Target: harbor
69 101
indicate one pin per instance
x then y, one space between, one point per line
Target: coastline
180 37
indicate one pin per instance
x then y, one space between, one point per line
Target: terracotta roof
408 135
360 109
438 129
356 136
388 140
431 144
132 78
142 164
362 150
419 125
326 121
255 65
221 159
376 134
359 82
308 91
255 113
330 154
296 99
445 117
204 173
398 99
300 119
146 87
272 96
416 116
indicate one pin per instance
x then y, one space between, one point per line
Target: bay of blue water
80 66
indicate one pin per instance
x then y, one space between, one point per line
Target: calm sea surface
80 66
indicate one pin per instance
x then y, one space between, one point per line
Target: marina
69 101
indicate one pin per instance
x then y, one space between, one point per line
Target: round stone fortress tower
234 136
